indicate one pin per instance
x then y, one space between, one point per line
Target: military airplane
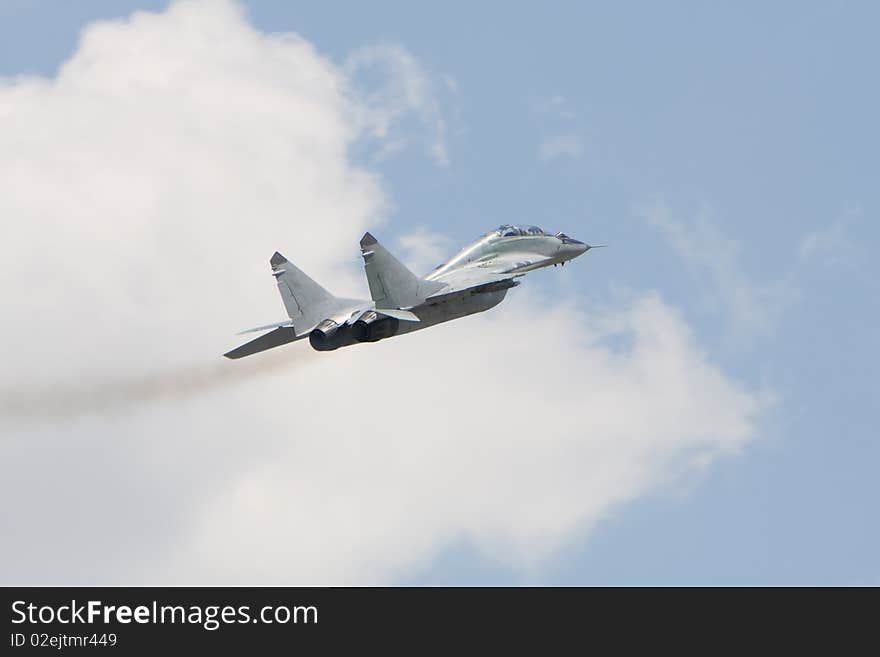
475 279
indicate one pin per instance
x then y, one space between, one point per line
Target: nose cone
571 248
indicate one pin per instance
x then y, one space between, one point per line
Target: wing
490 274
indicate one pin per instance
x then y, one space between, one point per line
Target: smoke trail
57 402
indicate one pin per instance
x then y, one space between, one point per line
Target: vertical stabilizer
392 285
299 293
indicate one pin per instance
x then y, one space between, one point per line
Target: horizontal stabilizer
276 338
404 315
266 327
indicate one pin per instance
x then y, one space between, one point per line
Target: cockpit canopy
507 230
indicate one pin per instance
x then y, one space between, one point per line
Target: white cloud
407 88
753 308
423 250
560 146
833 244
562 138
141 193
556 107
511 439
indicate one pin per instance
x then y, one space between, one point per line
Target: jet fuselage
477 278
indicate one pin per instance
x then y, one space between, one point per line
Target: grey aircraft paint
477 278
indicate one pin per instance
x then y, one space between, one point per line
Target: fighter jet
475 279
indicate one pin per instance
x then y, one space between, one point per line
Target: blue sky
728 153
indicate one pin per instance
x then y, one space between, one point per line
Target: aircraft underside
373 326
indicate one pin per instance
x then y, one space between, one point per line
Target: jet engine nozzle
326 336
372 327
